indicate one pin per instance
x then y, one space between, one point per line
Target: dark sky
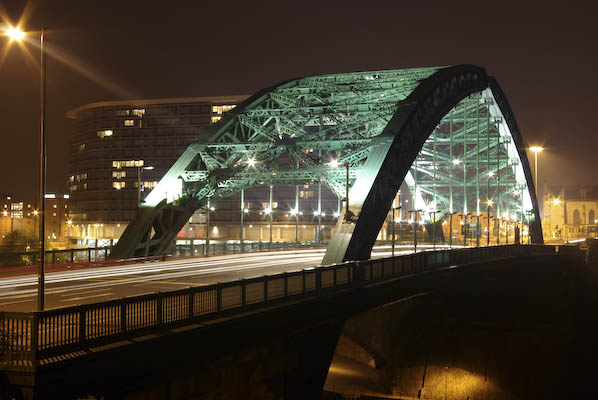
545 58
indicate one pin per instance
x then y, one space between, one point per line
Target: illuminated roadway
101 283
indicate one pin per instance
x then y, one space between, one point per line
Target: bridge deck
31 340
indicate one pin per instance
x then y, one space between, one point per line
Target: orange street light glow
15 34
536 149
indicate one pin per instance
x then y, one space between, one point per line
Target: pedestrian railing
96 254
35 338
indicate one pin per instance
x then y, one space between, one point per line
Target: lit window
216 118
85 186
122 113
119 174
138 112
127 163
16 214
118 185
222 109
105 133
81 147
306 194
73 188
81 177
129 122
72 178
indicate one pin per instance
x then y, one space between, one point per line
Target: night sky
545 58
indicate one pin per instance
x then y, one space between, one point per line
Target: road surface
102 283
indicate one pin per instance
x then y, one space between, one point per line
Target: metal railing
27 339
94 254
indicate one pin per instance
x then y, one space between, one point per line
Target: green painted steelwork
302 132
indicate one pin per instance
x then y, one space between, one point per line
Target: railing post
123 317
219 298
54 257
159 309
34 345
243 292
82 322
88 254
318 279
285 280
303 281
72 255
191 302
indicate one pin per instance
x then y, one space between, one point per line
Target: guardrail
94 254
28 339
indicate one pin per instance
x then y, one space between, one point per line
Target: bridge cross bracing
302 131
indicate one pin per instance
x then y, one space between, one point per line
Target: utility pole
415 224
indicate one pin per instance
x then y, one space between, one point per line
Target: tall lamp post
489 203
16 34
536 150
393 228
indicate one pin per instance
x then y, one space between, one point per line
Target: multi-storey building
570 213
121 149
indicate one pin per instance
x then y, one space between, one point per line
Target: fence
93 254
28 338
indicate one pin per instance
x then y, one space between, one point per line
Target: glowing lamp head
35 212
456 161
556 202
268 211
15 34
489 203
294 212
490 174
251 162
334 164
536 149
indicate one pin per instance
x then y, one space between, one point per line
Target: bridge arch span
398 146
390 127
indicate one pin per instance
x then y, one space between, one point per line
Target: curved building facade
121 149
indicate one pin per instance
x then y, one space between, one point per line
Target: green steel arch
389 126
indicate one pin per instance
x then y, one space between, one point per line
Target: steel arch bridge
447 132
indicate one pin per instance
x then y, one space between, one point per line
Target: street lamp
347 215
393 227
16 34
139 183
489 204
536 150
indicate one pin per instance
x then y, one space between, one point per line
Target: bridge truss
447 132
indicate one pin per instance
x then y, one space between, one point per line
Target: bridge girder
383 123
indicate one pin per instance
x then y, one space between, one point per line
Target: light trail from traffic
90 285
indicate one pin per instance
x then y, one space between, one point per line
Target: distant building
121 149
21 214
570 212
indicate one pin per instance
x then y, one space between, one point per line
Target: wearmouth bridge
448 133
